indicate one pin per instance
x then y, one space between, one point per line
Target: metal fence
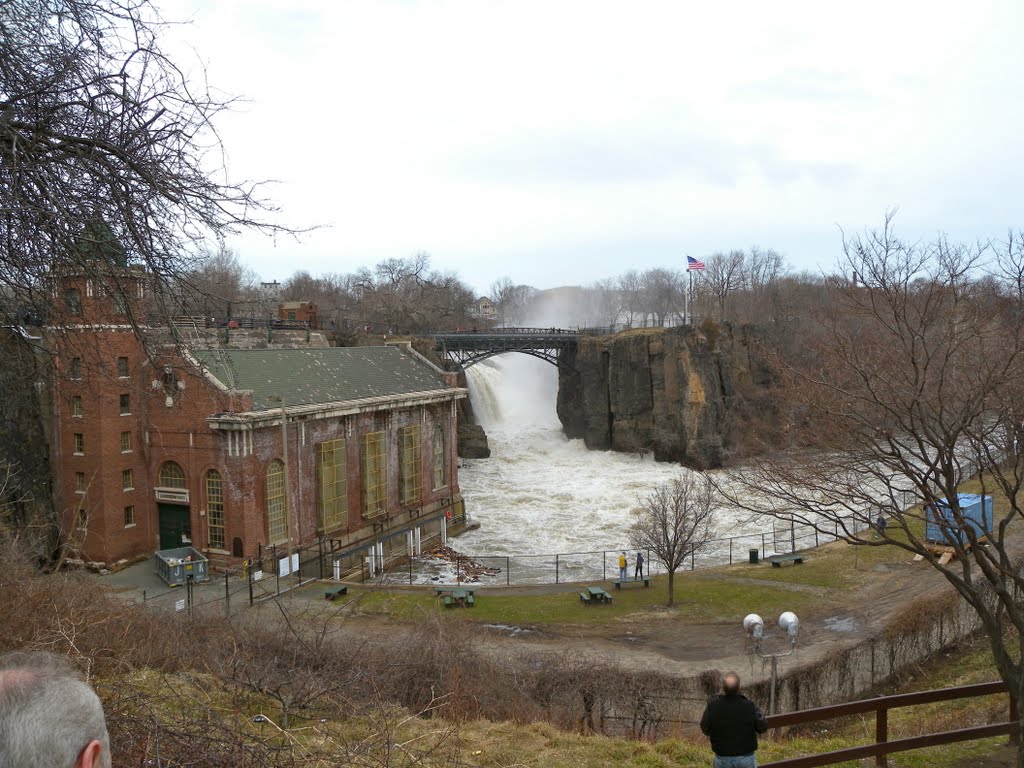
602 565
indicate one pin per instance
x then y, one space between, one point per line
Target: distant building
174 441
482 308
304 312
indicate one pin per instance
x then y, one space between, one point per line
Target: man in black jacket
732 722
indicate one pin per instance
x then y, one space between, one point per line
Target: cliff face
683 393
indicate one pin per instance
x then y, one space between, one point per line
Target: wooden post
882 735
1014 717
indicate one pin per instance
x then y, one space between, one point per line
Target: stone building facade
170 441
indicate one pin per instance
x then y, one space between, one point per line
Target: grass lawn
703 596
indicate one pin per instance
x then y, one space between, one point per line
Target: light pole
753 625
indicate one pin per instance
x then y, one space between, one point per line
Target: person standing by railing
732 722
623 566
638 572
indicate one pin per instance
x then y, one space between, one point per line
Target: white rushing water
541 492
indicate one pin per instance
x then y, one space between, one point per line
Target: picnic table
333 593
457 596
591 595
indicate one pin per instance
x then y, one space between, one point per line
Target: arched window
215 508
277 504
171 475
440 475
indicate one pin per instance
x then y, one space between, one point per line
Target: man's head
49 716
731 684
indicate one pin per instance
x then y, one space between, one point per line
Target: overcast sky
562 142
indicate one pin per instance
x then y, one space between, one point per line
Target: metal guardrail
881 706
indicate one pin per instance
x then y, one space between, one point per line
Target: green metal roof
322 375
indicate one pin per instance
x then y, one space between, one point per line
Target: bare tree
913 383
674 522
721 279
104 138
630 293
662 294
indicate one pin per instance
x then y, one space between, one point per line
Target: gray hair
48 713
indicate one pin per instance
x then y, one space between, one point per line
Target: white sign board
282 567
257 575
295 562
179 605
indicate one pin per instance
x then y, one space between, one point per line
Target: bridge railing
522 331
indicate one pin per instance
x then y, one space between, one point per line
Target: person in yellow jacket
623 566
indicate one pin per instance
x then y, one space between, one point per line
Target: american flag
693 265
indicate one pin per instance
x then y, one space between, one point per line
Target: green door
175 526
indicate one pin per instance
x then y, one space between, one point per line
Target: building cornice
247 420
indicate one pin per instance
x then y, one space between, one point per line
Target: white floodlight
789 622
754 625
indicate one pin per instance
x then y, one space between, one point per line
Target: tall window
409 466
73 301
79 482
127 480
76 406
75 369
171 475
215 508
126 442
79 443
332 484
375 474
120 302
122 367
440 476
125 404
277 504
129 516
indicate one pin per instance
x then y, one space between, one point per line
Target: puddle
841 623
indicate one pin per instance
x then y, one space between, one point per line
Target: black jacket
732 722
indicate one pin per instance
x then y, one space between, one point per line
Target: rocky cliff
687 394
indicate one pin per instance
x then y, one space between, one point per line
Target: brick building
177 441
299 312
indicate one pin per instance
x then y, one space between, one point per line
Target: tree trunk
672 598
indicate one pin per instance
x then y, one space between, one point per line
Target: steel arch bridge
466 349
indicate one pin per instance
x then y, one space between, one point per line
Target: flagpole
686 300
689 273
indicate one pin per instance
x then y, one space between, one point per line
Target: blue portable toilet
975 511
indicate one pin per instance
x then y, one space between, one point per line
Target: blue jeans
622 574
736 761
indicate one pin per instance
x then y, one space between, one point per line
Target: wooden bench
335 592
618 584
778 560
585 598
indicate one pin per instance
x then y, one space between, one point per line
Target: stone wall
686 394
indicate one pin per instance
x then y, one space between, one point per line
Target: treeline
397 295
411 296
